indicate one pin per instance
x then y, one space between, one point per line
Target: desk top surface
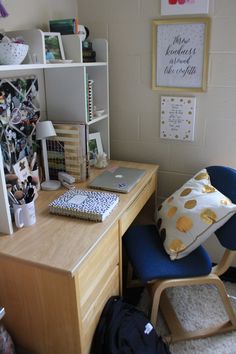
61 242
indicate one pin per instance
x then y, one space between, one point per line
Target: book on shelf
85 204
89 60
68 151
89 98
89 55
64 26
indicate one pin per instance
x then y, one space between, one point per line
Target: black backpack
123 329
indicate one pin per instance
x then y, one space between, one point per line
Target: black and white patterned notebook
84 204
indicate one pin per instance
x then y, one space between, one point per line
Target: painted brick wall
27 14
135 108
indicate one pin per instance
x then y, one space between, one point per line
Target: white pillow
191 214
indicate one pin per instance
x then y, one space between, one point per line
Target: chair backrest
224 179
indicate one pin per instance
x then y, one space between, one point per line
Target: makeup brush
11 179
30 195
19 195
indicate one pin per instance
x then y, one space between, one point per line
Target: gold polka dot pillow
190 215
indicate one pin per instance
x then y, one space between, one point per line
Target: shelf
48 66
72 65
95 120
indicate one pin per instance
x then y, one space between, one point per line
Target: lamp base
50 185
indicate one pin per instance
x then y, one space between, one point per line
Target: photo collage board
19 113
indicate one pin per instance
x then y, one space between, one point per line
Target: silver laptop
121 179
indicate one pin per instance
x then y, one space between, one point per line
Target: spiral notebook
84 204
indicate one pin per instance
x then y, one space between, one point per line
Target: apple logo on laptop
118 176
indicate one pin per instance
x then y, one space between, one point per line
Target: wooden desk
56 276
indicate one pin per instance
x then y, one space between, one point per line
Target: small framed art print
53 47
180 54
177 118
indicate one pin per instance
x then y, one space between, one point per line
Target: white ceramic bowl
12 53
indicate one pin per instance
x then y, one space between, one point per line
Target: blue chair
153 266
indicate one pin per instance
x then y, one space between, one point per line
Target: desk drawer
130 214
90 320
97 269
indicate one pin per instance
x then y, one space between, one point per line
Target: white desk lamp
45 130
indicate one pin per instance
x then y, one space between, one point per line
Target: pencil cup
24 214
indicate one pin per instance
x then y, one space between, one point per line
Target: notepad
85 204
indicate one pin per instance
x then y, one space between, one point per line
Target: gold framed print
180 54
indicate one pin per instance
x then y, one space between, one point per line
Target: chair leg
131 282
155 289
226 302
167 312
178 333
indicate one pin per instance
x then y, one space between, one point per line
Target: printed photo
53 47
95 147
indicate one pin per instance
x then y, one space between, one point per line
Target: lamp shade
44 130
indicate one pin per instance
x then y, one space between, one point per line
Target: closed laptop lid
121 179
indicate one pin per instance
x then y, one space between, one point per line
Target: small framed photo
53 47
95 147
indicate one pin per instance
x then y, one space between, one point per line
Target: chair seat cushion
192 214
150 261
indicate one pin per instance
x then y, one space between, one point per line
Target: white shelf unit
64 88
66 83
66 93
5 216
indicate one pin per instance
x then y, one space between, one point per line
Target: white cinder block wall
26 14
135 108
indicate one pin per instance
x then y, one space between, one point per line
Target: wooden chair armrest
224 263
